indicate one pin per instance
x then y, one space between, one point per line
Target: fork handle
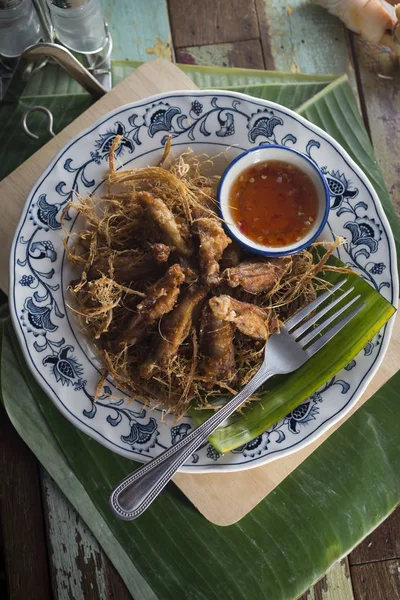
134 494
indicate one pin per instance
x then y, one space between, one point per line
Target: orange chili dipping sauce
273 203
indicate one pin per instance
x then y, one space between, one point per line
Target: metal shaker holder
71 33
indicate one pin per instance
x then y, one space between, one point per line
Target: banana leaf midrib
239 71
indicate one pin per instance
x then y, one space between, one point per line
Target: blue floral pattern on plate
215 123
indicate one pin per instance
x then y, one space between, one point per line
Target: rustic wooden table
46 551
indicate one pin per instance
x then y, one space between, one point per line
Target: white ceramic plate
59 356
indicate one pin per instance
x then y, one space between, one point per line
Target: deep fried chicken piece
190 269
256 277
248 318
160 253
216 346
174 330
165 219
231 256
213 242
160 299
127 266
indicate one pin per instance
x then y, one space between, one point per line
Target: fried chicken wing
175 328
216 346
160 253
251 320
166 221
128 267
231 256
213 242
160 299
256 277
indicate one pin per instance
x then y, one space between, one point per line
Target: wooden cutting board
222 498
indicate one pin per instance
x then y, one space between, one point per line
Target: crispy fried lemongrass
178 313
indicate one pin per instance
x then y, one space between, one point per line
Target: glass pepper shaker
79 24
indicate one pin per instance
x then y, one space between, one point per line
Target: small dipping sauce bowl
281 174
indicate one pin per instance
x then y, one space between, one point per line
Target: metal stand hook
42 109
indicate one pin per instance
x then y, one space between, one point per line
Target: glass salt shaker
19 27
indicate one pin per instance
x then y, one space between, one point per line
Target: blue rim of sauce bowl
306 241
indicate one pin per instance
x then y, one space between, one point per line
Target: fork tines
297 332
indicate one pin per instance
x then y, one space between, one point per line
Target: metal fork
284 353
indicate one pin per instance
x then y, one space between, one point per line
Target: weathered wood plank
195 23
301 37
79 567
76 561
3 584
382 544
379 77
21 518
376 581
139 29
334 585
247 54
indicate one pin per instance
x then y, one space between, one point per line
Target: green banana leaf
290 539
19 146
290 95
285 392
53 88
332 109
53 80
289 89
276 552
